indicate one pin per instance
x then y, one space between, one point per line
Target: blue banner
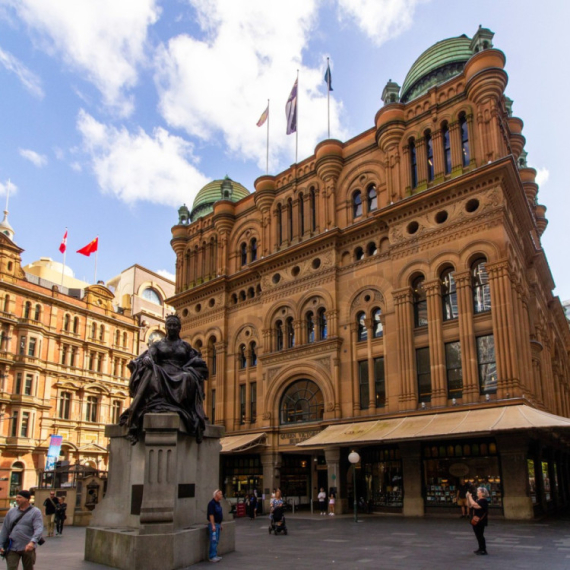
53 451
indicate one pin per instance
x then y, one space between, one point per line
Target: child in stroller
277 515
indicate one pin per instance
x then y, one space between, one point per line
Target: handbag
476 520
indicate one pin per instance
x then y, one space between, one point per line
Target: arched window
101 332
150 294
76 325
66 322
302 402
448 295
7 304
115 411
242 296
429 155
357 204
420 302
279 335
234 299
313 210
480 286
372 198
362 333
358 253
117 337
91 409
243 253
125 339
413 163
94 330
252 354
301 215
446 148
290 220
37 312
17 475
290 333
371 249
279 224
65 405
310 327
27 310
242 357
322 325
253 246
251 293
464 139
378 329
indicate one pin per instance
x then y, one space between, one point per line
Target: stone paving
378 542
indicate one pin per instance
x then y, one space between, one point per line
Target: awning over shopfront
237 443
487 421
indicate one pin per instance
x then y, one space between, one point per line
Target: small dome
225 189
56 266
437 64
5 226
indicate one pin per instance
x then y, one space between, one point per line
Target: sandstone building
390 295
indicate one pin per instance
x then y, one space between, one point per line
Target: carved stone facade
400 272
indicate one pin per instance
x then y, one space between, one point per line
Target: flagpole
64 252
297 122
328 101
267 157
96 255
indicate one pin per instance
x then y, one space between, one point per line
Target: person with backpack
21 533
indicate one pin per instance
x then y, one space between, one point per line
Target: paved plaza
378 542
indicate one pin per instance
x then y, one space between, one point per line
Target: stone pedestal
153 516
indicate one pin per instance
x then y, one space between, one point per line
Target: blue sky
114 113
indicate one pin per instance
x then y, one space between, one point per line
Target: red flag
90 248
63 244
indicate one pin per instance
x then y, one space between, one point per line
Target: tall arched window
252 354
125 339
243 253
310 327
429 155
448 295
279 224
464 139
37 312
371 249
313 210
302 402
66 322
150 294
362 332
290 333
91 409
378 329
301 215
101 332
358 254
413 163
480 286
446 148
17 475
94 330
76 325
27 310
420 302
242 357
290 220
357 204
279 335
7 304
322 325
372 196
253 246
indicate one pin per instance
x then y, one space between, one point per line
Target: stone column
438 157
436 348
371 383
355 380
421 163
221 393
337 396
412 479
271 462
513 451
332 457
406 354
455 143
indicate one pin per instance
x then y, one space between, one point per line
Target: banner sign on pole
53 451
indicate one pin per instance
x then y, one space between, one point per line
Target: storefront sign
459 469
295 437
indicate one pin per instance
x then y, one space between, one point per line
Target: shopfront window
546 481
383 482
446 463
531 480
302 402
295 476
241 475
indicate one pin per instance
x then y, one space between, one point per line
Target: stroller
277 521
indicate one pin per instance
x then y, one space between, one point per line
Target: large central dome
437 64
214 191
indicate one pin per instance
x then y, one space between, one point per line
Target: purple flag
291 110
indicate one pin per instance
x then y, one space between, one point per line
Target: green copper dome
437 64
225 189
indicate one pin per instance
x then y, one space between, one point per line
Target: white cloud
29 79
76 166
137 166
542 175
8 186
251 52
167 274
380 20
36 159
105 40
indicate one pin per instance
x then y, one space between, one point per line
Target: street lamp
354 458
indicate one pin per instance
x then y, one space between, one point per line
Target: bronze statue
168 377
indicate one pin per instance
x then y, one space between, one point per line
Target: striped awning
486 421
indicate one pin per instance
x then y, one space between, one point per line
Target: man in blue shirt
24 535
215 518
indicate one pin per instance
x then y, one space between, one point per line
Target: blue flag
328 78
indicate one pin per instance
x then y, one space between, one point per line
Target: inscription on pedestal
136 499
186 490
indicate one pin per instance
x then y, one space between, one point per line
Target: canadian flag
63 244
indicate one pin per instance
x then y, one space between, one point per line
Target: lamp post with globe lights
354 458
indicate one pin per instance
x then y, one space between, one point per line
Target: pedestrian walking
50 506
331 504
252 506
480 518
322 497
215 518
461 498
60 516
21 532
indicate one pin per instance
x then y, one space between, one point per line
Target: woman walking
60 516
479 520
